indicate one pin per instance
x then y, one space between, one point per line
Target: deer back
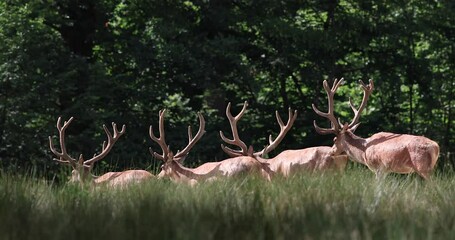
401 153
308 159
123 178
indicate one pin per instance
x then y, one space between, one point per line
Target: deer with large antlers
287 162
383 152
82 168
173 168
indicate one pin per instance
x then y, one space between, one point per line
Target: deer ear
170 157
345 127
81 160
250 151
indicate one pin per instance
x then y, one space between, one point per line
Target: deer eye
162 167
334 139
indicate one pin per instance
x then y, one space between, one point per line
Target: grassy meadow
353 205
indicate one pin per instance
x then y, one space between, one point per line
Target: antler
367 90
161 140
111 140
167 153
335 126
235 135
283 131
63 156
181 155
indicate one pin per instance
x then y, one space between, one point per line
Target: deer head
248 151
171 161
341 129
81 167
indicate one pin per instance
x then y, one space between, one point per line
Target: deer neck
183 173
354 147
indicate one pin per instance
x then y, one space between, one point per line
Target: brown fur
290 162
383 152
213 170
390 152
116 179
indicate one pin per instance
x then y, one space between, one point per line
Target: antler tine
238 116
118 133
190 137
284 129
104 146
161 140
61 161
367 90
111 140
335 125
336 84
190 133
181 155
231 152
63 156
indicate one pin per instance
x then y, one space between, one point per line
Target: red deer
289 162
173 168
383 152
82 168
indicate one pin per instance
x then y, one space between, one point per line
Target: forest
123 61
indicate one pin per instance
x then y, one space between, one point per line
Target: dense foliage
122 61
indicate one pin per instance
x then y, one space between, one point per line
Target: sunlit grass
353 205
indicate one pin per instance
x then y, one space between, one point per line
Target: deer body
310 159
240 165
115 179
391 152
178 173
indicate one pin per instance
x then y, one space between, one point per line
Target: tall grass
353 205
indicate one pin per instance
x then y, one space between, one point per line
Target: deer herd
382 152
